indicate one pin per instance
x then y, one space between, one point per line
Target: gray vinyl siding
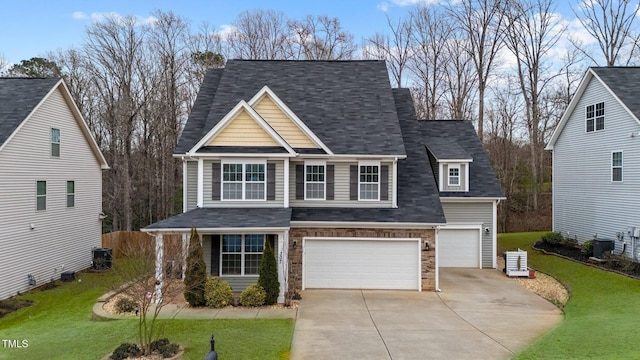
192 185
474 213
341 189
206 251
585 200
278 202
63 238
445 178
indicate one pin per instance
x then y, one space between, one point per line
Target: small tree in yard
195 277
269 275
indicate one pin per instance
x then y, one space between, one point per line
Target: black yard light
212 355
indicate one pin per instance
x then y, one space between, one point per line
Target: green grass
602 317
58 326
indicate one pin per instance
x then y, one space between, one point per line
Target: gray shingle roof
446 149
18 97
215 218
623 81
482 179
347 104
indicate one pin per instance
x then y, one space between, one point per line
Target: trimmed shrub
253 295
196 274
269 275
125 305
553 238
164 348
569 242
125 351
218 293
587 248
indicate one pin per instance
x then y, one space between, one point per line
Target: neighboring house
50 185
596 160
330 165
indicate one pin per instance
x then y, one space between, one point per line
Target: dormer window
595 117
454 175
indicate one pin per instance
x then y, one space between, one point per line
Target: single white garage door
459 248
361 264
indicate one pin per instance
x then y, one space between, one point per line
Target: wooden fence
122 241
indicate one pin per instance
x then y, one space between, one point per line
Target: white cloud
100 16
415 2
383 7
226 31
79 15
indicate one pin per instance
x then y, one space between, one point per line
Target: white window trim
51 142
324 183
369 163
454 166
242 254
615 167
67 193
586 130
244 162
39 196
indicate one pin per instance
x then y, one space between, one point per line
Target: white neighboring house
596 157
50 184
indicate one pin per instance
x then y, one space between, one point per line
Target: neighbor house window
241 254
243 181
71 193
369 181
454 175
595 117
41 195
314 181
616 166
55 142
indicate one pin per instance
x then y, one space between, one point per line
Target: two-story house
50 185
328 163
595 155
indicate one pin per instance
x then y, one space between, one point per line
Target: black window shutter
271 181
384 182
353 180
299 182
215 181
330 182
215 255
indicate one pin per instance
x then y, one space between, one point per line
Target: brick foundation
297 234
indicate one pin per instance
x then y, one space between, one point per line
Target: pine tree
195 277
269 275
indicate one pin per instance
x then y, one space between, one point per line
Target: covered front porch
233 242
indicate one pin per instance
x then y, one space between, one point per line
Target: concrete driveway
480 314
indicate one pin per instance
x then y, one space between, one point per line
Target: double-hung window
244 181
369 181
41 195
595 117
55 142
314 180
241 254
71 194
454 175
616 166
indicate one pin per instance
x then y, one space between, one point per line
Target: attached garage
459 248
355 263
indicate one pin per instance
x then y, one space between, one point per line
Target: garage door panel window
241 254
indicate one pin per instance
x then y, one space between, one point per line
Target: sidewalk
175 311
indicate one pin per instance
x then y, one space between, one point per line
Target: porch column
185 250
283 264
159 272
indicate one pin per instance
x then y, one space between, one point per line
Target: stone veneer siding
295 255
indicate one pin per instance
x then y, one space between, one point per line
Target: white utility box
516 263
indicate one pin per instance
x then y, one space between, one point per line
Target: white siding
341 188
585 201
472 213
278 202
63 237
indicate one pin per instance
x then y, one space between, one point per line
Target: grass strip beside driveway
602 317
58 326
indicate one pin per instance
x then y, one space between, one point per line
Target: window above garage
453 176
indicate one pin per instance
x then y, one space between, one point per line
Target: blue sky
32 28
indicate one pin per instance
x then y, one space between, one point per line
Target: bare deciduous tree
261 34
321 38
611 23
396 48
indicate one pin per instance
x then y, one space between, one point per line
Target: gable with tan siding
282 124
243 130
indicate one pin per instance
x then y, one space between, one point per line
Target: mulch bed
12 304
616 263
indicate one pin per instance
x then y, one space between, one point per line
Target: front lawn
58 326
601 317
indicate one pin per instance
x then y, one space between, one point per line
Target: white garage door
459 248
361 264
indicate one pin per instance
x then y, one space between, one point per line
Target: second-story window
314 181
595 117
369 181
55 142
243 181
